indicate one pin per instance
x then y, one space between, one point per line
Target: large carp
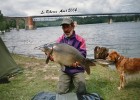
66 55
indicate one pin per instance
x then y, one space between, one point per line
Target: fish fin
48 56
87 69
90 62
47 60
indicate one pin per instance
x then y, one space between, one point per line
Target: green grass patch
37 77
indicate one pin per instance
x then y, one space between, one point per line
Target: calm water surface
122 37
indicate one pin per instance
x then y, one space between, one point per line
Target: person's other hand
75 64
51 58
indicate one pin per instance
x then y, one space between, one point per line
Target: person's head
67 26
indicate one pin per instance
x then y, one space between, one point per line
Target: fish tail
87 69
90 62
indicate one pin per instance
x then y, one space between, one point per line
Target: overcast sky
35 7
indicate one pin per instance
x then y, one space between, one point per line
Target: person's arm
83 51
83 48
59 39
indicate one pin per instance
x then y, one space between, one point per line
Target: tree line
88 20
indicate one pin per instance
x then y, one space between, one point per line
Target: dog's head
100 52
113 56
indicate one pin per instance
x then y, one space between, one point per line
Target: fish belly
62 59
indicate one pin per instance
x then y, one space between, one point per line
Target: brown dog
125 66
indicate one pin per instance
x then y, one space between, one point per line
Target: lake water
124 37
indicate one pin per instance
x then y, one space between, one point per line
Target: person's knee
62 89
81 89
80 83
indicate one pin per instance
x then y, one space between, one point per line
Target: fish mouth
45 47
40 48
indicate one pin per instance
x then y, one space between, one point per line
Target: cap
67 21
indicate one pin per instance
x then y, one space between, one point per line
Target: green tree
4 25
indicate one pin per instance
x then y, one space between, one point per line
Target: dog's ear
96 49
116 55
96 52
107 51
104 52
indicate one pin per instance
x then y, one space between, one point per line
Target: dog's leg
119 88
122 81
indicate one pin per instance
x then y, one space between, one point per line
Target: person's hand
75 64
50 56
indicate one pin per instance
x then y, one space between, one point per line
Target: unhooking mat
68 96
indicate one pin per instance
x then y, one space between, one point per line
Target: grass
37 77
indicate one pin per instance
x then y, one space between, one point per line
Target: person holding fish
75 73
70 53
